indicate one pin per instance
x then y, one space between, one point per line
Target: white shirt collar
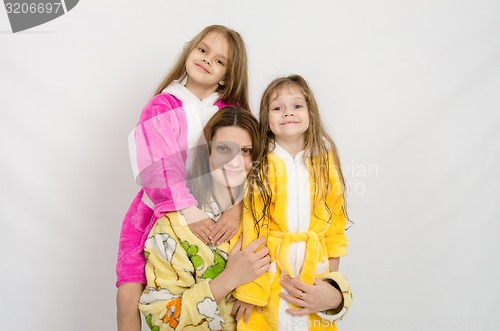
179 90
282 153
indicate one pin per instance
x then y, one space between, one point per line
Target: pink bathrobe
169 125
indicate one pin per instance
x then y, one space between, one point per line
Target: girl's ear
222 82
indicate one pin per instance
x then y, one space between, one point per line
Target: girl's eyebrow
278 100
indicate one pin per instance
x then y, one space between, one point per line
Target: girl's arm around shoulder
159 104
158 151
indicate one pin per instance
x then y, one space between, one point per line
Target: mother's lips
233 172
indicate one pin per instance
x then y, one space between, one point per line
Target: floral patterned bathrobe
178 270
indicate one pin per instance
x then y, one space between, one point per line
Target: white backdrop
408 89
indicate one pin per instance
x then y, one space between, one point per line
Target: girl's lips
286 123
202 68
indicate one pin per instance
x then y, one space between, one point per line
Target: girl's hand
227 225
202 229
241 308
320 296
199 223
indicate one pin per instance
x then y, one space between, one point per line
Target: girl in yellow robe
296 202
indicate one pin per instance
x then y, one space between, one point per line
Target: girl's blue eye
298 106
276 108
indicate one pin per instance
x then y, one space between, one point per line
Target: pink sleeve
222 104
158 152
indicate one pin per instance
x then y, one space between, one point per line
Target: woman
188 280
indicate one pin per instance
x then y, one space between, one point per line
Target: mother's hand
320 296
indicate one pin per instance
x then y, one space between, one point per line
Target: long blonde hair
318 146
235 89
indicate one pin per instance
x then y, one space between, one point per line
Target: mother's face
231 156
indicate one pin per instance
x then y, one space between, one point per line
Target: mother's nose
236 161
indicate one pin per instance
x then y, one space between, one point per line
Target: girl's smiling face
206 65
288 114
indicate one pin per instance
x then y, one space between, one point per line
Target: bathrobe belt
311 259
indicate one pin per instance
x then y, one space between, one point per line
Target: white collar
282 153
179 90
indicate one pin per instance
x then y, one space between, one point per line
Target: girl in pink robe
210 73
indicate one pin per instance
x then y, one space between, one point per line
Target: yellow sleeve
335 238
172 298
257 291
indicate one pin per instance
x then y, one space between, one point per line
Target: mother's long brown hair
200 183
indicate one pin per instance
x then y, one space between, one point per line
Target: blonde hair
317 143
200 184
235 89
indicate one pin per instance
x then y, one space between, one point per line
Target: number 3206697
25 8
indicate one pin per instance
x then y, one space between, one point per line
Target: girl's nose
288 112
207 61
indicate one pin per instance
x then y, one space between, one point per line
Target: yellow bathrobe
316 235
178 270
